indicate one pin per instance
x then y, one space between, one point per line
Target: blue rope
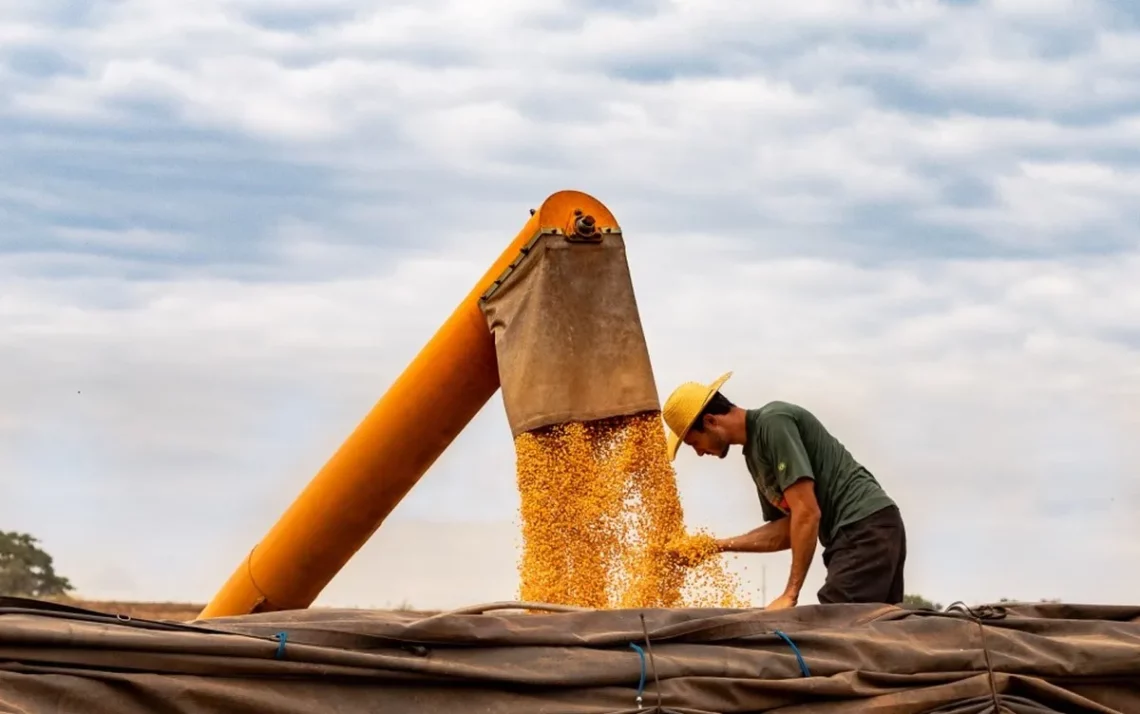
641 684
803 665
281 637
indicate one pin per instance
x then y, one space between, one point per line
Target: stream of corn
602 522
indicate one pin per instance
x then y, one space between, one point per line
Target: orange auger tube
437 395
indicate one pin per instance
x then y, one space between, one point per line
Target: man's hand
784 601
768 538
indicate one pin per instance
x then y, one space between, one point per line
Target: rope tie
989 667
641 684
652 665
648 646
795 650
979 615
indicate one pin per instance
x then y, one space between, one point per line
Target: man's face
709 441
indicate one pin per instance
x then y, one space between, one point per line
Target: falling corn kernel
602 523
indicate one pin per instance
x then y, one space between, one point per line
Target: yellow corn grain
602 523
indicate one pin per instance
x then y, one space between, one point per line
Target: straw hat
683 407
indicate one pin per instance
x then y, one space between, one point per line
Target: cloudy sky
226 226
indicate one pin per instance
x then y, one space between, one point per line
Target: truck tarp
815 658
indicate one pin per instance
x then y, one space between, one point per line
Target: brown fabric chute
568 334
858 658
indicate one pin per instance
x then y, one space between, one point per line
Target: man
810 488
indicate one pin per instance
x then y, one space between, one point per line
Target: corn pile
602 523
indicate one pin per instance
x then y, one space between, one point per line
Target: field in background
180 611
177 611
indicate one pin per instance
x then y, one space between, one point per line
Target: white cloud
141 240
796 129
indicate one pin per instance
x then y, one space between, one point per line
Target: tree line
918 602
26 570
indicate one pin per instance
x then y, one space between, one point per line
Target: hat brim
673 443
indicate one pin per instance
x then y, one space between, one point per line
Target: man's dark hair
718 405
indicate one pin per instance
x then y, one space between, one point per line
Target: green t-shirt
785 443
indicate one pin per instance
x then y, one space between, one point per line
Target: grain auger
553 323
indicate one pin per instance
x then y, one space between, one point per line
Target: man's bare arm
768 538
804 532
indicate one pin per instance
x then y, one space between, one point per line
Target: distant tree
26 570
918 602
1013 601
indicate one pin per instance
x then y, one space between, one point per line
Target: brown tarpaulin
568 335
855 658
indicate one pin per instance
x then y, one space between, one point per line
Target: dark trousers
865 561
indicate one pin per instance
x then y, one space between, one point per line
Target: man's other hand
783 602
